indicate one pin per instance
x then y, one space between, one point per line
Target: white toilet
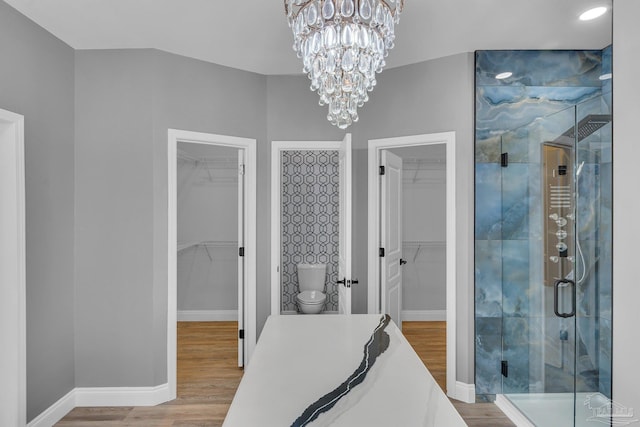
311 278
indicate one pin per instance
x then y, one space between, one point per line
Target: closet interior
207 268
424 231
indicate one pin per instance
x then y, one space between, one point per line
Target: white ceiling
253 35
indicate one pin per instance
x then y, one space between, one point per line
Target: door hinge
382 170
241 334
241 251
504 160
241 169
504 368
381 252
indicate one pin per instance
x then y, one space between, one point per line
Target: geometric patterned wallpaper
310 220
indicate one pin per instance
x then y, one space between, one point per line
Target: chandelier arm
391 9
301 6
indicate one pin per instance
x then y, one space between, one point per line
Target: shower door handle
563 283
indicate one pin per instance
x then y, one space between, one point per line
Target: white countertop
321 370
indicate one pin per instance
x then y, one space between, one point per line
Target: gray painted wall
430 97
114 208
36 80
198 96
626 229
125 102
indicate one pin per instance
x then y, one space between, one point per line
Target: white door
344 245
391 234
241 263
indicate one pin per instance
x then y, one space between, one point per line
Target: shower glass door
593 271
556 273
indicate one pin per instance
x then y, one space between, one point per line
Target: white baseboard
207 315
424 315
122 396
465 392
512 412
55 412
101 396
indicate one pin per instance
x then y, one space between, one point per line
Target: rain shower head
586 127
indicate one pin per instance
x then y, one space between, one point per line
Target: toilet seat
311 297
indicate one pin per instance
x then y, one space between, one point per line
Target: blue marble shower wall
547 91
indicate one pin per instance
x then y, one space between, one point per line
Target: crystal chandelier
343 44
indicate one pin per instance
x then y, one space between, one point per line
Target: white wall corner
512 412
207 315
465 392
424 315
55 412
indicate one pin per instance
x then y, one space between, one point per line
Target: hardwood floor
428 339
208 377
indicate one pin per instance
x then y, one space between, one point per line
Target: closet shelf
423 243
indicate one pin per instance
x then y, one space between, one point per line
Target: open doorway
420 284
423 255
311 227
209 269
13 407
379 298
212 241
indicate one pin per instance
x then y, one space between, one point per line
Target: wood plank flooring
429 340
207 378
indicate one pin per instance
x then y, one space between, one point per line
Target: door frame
374 157
277 147
250 252
12 160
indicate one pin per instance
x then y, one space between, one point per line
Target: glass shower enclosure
555 247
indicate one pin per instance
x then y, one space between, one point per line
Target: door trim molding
13 291
277 147
373 300
250 302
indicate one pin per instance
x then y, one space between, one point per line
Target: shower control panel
559 227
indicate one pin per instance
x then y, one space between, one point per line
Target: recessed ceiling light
504 75
606 76
593 13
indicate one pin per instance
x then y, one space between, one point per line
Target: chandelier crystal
342 44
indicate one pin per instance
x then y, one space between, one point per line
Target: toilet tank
311 277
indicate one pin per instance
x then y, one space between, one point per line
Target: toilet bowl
311 298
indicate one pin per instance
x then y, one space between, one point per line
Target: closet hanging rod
208 243
221 163
423 243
